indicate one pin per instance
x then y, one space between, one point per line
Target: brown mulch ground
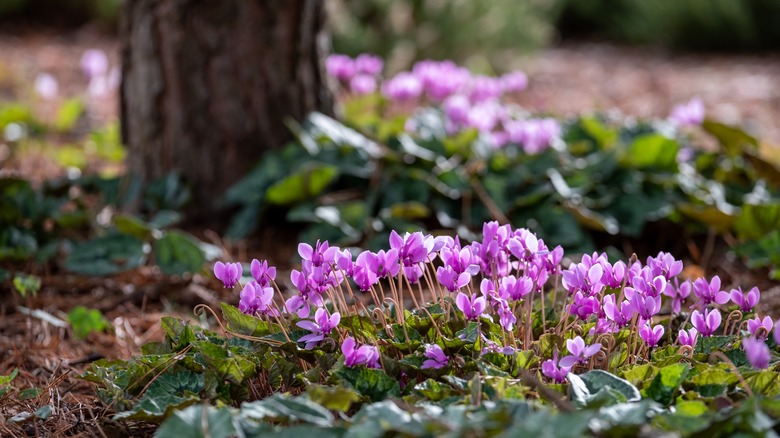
569 79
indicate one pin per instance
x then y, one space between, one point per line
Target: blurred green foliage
684 25
476 33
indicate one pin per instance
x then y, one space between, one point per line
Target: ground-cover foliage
439 147
431 336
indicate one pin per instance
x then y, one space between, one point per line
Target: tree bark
208 85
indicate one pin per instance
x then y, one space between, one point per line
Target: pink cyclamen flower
368 64
46 86
362 84
471 306
579 352
514 81
776 333
688 337
262 273
757 323
319 328
651 335
228 273
552 369
364 355
706 323
403 86
745 301
340 66
688 114
255 299
94 63
757 352
709 293
436 357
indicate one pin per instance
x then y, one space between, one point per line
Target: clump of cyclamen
514 266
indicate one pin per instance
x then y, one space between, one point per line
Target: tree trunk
208 85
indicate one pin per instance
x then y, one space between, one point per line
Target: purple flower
255 299
514 81
369 64
436 357
319 328
340 66
651 335
485 88
450 279
745 301
757 352
402 87
308 295
412 248
362 84
688 114
382 264
709 293
665 264
536 135
580 278
619 314
321 255
579 352
94 63
471 306
515 288
365 355
441 79
228 273
776 333
262 273
688 338
756 323
645 306
553 370
583 306
456 109
679 294
484 116
46 86
706 323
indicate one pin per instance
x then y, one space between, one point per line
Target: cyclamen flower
665 264
369 64
364 355
340 66
619 314
94 63
46 86
651 335
308 295
436 357
319 328
757 352
255 299
441 79
688 338
776 333
535 135
456 109
228 273
679 294
403 86
583 306
321 255
745 301
514 81
579 352
485 88
757 323
451 279
645 306
552 369
688 114
262 273
515 288
709 293
471 306
706 323
362 84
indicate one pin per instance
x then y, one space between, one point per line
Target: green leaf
167 393
599 386
284 408
469 334
335 398
667 382
227 364
106 255
69 113
133 226
765 383
369 382
177 253
307 182
757 220
190 422
43 412
245 324
85 321
707 345
654 151
733 140
27 285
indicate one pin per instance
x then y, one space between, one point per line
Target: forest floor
572 78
